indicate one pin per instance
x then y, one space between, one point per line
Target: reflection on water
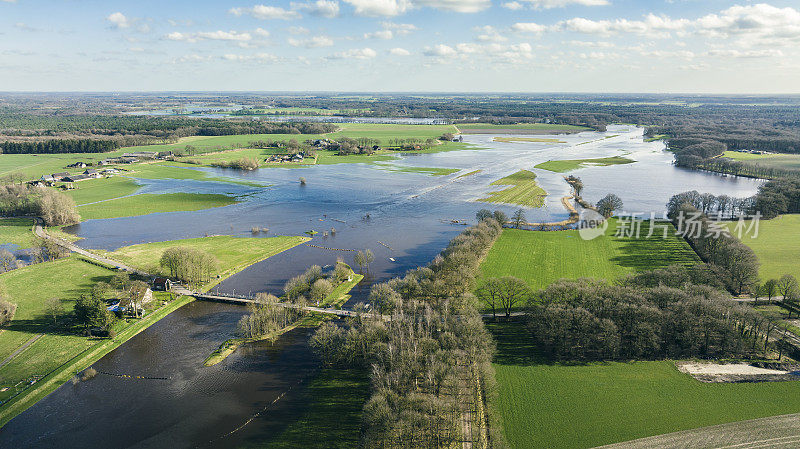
409 221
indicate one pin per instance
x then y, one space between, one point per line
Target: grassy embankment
540 258
60 351
583 406
575 164
777 245
524 190
338 296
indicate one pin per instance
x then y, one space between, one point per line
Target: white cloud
298 30
767 53
440 50
514 6
312 42
118 20
651 26
383 34
760 24
464 6
399 52
209 35
400 29
488 33
266 12
529 27
550 4
374 8
263 57
262 32
192 58
323 8
593 44
355 53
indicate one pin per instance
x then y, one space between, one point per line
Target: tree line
190 265
431 354
59 146
54 207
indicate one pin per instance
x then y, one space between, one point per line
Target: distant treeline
57 146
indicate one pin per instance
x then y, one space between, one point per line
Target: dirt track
773 432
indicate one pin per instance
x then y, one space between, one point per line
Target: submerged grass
574 164
150 203
524 191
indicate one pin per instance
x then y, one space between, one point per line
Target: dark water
409 222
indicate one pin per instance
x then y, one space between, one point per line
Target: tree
55 308
91 312
770 288
608 204
500 217
7 308
364 258
7 260
489 293
519 218
320 289
510 291
786 285
741 265
483 214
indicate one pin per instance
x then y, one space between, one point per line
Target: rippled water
409 221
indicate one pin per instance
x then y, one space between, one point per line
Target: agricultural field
782 161
777 245
583 406
524 190
233 253
93 190
17 231
575 164
539 258
148 203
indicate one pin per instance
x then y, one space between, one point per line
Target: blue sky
710 46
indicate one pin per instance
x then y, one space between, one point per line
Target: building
141 155
77 165
77 178
92 173
162 284
59 176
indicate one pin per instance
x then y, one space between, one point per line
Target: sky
660 46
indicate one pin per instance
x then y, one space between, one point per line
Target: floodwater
404 218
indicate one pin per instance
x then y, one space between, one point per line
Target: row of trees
268 316
735 262
652 315
432 351
58 146
54 207
188 264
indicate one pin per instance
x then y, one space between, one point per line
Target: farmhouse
141 155
77 165
162 284
59 176
92 173
77 178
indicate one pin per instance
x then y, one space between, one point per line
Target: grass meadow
777 245
540 258
17 231
783 161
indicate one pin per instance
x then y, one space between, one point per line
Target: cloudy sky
715 46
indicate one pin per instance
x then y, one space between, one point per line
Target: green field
149 203
540 258
524 190
233 253
583 406
777 245
783 161
17 231
575 164
93 190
